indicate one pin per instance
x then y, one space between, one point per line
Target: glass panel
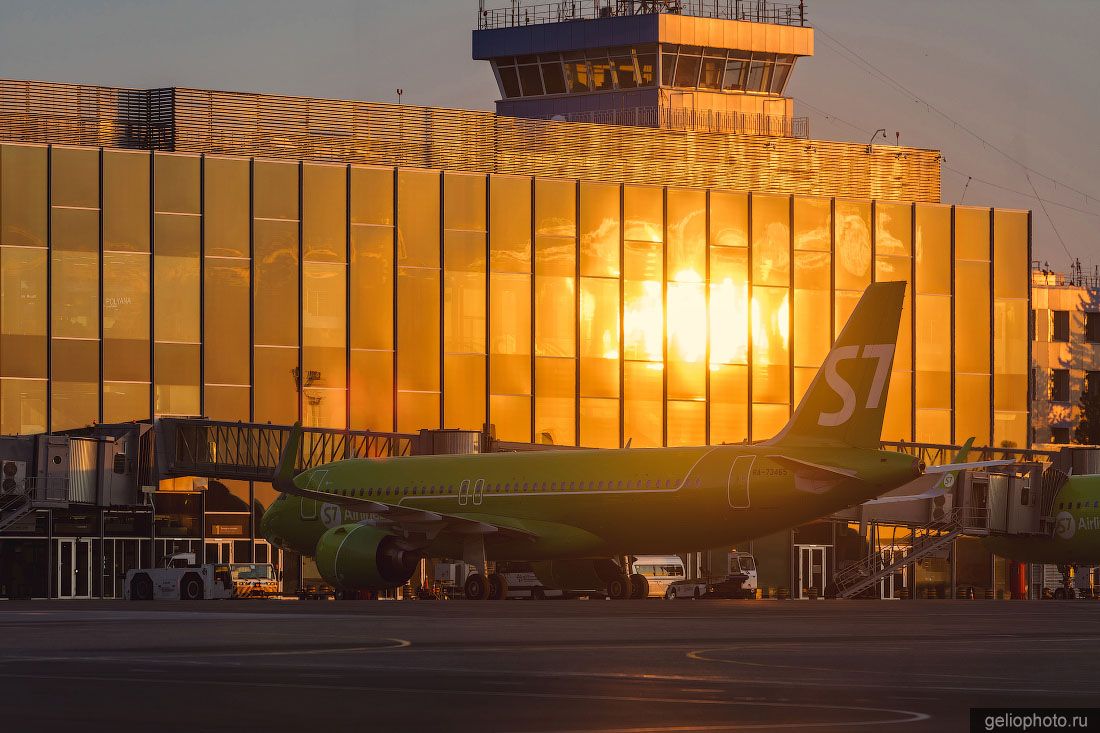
372 287
933 344
555 394
276 384
371 195
643 214
464 312
933 248
530 80
601 73
510 334
74 178
687 236
771 240
812 297
599 229
417 411
464 202
176 183
509 81
643 310
555 297
23 205
576 76
972 414
555 208
812 225
225 207
23 406
75 386
625 73
729 397
972 343
511 417
176 278
126 319
418 218
227 403
897 421
599 339
324 343
853 245
227 323
176 390
275 190
23 294
687 340
276 289
643 393
647 65
324 213
1010 254
464 396
125 401
687 423
75 230
553 78
732 78
971 234
418 309
893 235
729 305
729 219
599 422
710 76
75 294
687 71
372 390
1010 328
510 224
770 351
768 420
125 201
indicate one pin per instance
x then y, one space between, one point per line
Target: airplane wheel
639 586
191 588
1059 594
498 587
476 587
619 587
141 588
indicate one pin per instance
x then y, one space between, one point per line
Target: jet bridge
1015 499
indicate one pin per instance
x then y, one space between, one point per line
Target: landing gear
498 587
639 586
476 587
618 587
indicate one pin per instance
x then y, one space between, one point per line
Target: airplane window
1078 505
647 483
620 484
554 486
506 486
698 482
599 484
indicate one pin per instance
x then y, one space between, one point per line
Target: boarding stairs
858 578
18 499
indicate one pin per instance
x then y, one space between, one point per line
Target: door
478 492
309 506
464 492
812 570
737 490
74 568
891 585
219 551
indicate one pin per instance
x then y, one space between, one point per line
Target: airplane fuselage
593 503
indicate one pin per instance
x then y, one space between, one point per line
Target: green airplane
1076 536
575 515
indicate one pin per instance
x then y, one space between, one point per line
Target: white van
661 571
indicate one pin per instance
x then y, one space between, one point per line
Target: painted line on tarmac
903 716
398 644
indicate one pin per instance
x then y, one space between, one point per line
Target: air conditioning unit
13 477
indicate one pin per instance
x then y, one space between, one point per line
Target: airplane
574 515
1076 537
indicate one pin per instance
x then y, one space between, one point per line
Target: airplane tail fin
846 401
283 480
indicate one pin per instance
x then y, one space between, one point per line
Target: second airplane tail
846 401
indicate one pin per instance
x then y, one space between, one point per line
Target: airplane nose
269 525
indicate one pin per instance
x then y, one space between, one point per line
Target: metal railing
343 131
941 454
251 451
733 123
853 579
522 13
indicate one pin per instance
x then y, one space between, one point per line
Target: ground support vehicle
740 581
182 579
660 572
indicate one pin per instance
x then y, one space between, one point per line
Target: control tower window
622 60
710 74
530 80
687 67
576 73
757 73
601 73
734 78
782 71
553 77
668 64
509 81
647 67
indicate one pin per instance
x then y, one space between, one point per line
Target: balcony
522 13
696 120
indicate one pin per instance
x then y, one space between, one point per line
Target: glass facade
558 311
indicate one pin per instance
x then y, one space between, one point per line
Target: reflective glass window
225 207
771 240
418 310
23 195
275 262
372 195
464 391
643 213
324 343
176 183
599 229
555 406
75 294
933 249
599 422
643 393
602 78
770 346
126 319
176 381
687 422
176 278
555 297
647 66
418 218
226 335
125 401
23 303
729 219
625 73
553 77
510 333
687 70
510 224
372 390
643 309
599 337
275 190
125 201
710 74
729 305
577 75
276 384
74 177
729 408
530 80
371 287
971 234
75 383
324 213
509 81
853 245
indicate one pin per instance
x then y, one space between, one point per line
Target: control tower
720 65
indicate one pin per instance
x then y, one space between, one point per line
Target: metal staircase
13 507
17 500
859 577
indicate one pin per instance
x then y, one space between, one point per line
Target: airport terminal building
670 277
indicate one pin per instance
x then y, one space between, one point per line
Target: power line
1052 224
886 78
1025 194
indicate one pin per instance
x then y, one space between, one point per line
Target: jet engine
362 557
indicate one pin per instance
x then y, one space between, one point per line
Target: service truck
182 579
739 581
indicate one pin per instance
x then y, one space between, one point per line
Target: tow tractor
182 579
740 581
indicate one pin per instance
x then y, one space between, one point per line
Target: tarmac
538 665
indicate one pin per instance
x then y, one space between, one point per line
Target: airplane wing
814 478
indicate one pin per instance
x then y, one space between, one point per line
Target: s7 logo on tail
883 354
